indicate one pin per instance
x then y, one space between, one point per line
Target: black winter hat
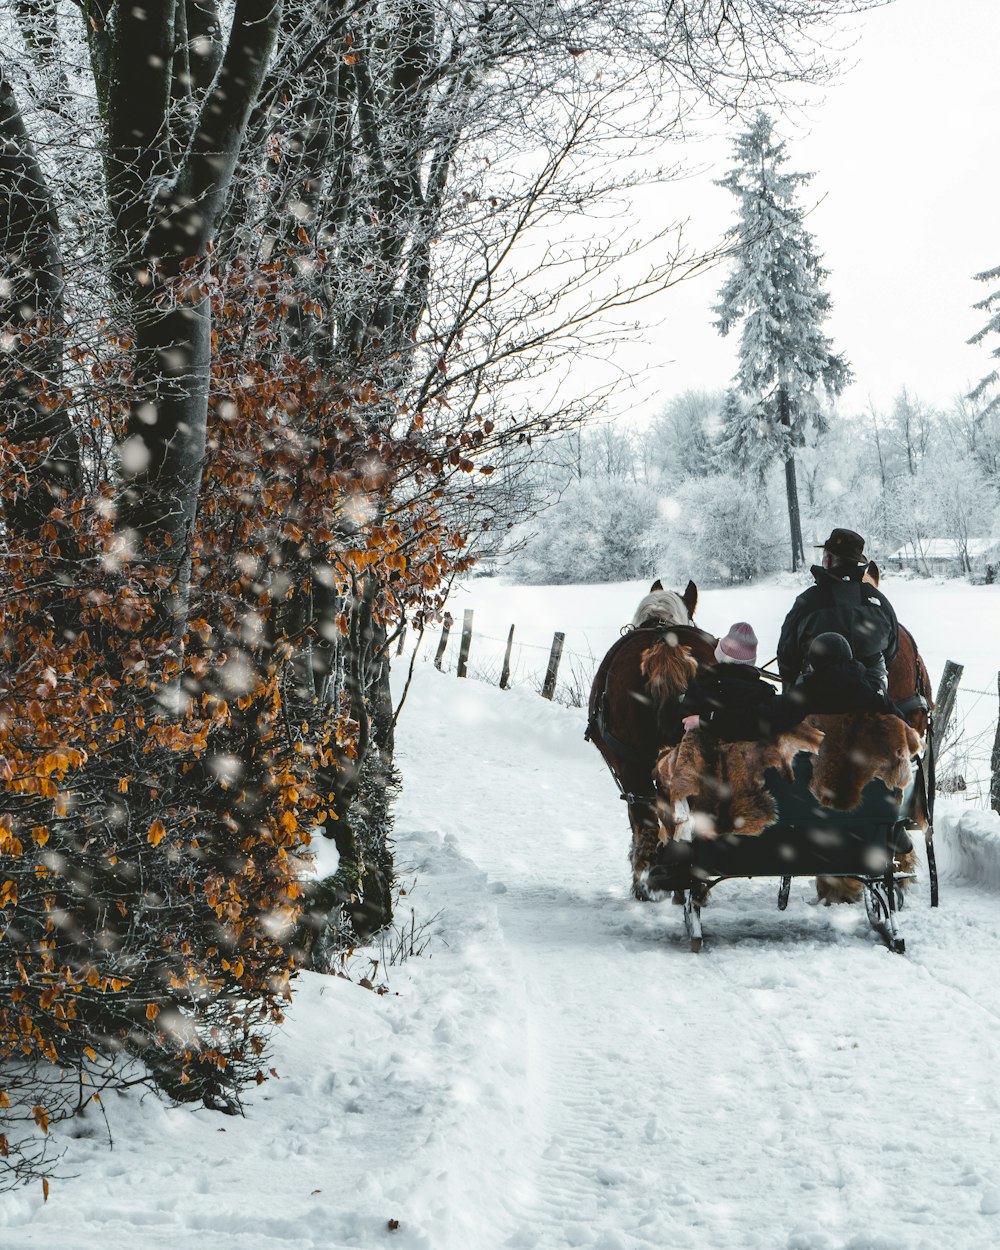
847 545
827 649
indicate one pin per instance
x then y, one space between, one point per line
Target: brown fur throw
857 747
850 890
668 668
723 782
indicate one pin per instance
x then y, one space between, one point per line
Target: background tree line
629 501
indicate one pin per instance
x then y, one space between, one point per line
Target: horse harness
597 724
919 700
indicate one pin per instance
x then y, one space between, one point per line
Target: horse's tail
668 668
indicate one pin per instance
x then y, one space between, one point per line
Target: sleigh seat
809 839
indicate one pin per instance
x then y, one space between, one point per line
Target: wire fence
528 663
967 757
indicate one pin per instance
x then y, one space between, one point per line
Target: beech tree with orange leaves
260 306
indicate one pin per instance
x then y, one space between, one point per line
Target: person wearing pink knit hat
733 682
739 646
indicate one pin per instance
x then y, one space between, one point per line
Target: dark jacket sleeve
768 720
693 702
789 644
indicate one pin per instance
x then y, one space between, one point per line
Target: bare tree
378 227
911 425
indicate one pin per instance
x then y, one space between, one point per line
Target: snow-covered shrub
681 441
601 530
720 530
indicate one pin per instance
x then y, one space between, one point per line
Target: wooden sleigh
807 840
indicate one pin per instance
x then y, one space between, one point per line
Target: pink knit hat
739 646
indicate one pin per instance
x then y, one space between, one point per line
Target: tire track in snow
616 1110
592 1156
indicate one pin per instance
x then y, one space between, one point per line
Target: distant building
945 557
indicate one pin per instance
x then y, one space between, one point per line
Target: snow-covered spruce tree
775 293
746 442
987 386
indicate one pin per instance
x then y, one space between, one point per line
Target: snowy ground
557 1070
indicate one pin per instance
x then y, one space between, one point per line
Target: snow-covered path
796 1085
557 1069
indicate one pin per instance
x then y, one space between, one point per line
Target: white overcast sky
905 149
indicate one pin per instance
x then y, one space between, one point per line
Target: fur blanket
723 782
856 748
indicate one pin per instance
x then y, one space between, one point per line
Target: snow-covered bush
601 530
681 441
721 530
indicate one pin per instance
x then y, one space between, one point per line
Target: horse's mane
668 669
664 607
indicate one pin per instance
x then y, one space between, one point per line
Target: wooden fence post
442 644
548 690
995 763
463 651
505 671
945 701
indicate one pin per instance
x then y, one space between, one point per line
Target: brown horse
634 711
910 690
909 681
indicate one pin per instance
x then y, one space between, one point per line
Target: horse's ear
690 598
657 585
871 573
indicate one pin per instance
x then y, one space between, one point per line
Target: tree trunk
791 489
167 231
794 521
164 452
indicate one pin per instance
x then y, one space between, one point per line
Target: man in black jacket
841 603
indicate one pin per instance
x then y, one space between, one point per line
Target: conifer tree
990 304
775 293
